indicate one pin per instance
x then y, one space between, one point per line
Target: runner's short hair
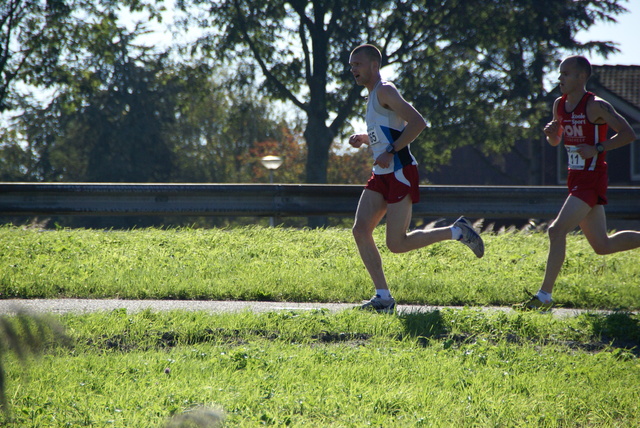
582 64
371 51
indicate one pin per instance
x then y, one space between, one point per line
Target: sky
626 32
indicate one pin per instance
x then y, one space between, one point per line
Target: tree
141 119
485 86
108 123
36 36
288 147
302 49
217 125
16 162
76 49
350 167
325 35
26 27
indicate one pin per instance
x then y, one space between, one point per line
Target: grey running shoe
380 305
470 237
535 304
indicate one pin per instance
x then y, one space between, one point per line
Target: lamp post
271 163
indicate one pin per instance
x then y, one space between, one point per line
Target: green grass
466 367
256 263
462 367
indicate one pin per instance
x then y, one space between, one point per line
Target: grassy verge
452 367
465 367
256 263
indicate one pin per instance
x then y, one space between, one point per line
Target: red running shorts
396 185
589 186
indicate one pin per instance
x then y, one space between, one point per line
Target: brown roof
622 80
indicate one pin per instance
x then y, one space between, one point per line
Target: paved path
61 306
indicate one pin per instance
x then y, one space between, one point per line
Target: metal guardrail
286 200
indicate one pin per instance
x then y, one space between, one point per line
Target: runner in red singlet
581 121
587 178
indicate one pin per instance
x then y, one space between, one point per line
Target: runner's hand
552 129
586 151
384 160
357 140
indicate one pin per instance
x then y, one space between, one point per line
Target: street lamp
271 163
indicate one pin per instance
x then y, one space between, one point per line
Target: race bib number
373 138
575 160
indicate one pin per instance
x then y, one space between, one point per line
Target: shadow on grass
593 332
424 324
620 330
425 327
617 331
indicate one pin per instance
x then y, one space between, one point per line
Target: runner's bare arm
390 98
552 130
600 111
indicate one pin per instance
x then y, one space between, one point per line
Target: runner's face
571 80
362 68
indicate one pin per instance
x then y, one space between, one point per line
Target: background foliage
82 99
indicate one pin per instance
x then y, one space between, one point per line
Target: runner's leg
571 214
594 227
371 209
398 219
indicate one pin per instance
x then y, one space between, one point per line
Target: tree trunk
319 138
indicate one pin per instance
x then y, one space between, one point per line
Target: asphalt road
61 306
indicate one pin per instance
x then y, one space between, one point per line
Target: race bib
575 160
373 138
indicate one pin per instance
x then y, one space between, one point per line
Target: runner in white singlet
392 124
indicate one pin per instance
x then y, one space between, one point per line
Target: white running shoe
470 237
380 305
535 304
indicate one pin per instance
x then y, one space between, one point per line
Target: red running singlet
577 129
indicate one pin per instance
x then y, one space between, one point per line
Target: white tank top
384 127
